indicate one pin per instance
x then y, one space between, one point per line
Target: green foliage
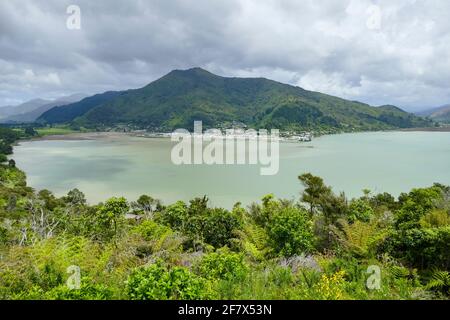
440 280
157 282
435 218
29 131
416 204
213 226
290 232
146 205
315 190
75 197
223 265
87 291
359 237
360 210
151 230
174 215
110 218
3 158
383 200
424 248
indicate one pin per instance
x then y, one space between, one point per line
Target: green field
55 131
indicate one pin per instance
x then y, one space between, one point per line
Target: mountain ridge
30 110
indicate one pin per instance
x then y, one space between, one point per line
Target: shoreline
79 136
107 134
431 129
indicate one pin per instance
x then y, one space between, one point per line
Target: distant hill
68 112
33 109
182 96
441 114
28 106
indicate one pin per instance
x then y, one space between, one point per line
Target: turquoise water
129 166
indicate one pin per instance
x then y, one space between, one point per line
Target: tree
415 204
5 149
213 226
333 207
384 199
315 189
110 218
261 214
174 215
8 136
12 163
146 205
41 220
218 226
290 232
29 131
50 201
75 197
360 209
424 248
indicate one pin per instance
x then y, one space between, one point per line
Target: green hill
182 96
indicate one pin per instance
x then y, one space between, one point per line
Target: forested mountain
182 96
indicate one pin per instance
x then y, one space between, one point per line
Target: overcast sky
379 52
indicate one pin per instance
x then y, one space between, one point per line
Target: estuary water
123 165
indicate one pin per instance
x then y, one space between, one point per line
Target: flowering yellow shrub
330 286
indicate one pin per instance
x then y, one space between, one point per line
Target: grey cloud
324 46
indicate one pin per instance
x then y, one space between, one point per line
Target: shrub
151 230
331 287
223 264
174 215
213 226
290 232
435 218
359 210
422 248
87 291
157 282
415 205
218 227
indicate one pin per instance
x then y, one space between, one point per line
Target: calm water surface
129 166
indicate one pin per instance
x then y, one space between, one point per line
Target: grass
54 131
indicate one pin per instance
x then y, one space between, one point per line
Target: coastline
108 134
430 129
79 136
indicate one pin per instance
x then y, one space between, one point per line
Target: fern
253 240
399 272
440 280
357 236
